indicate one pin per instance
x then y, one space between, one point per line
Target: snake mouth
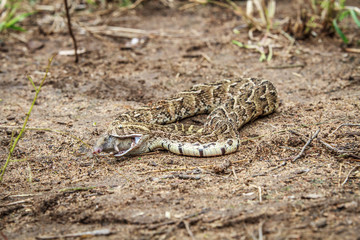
135 142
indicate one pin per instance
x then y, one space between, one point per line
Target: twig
187 226
24 195
250 233
100 232
286 66
330 147
346 153
17 202
4 197
343 125
177 224
76 189
169 231
157 225
37 91
206 57
288 37
305 146
70 30
352 50
261 224
129 32
347 177
234 173
280 165
182 176
259 191
340 174
260 194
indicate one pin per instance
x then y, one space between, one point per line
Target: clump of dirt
57 189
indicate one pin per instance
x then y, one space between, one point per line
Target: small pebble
319 223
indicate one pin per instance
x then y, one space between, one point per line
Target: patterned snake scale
229 103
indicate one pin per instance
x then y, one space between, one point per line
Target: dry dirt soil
56 189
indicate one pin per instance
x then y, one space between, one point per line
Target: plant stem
70 30
37 90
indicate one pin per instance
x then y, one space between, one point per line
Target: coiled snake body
229 103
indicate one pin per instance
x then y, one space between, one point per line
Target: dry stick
340 174
70 30
347 153
305 146
352 50
187 226
24 195
75 189
234 173
327 145
169 231
29 200
251 234
37 90
259 191
347 177
4 197
157 225
274 168
343 125
99 232
286 66
261 224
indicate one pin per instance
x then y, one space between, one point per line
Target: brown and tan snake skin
229 103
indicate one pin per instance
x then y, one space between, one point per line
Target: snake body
229 103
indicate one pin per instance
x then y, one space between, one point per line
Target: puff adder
229 104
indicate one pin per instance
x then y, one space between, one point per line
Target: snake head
123 140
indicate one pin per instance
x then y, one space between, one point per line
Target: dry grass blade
348 175
260 5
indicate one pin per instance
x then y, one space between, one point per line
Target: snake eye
120 126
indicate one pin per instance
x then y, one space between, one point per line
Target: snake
229 105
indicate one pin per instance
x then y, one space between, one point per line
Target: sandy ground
57 189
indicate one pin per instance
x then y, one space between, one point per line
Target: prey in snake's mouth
120 145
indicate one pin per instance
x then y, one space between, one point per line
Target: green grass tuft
10 18
345 12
